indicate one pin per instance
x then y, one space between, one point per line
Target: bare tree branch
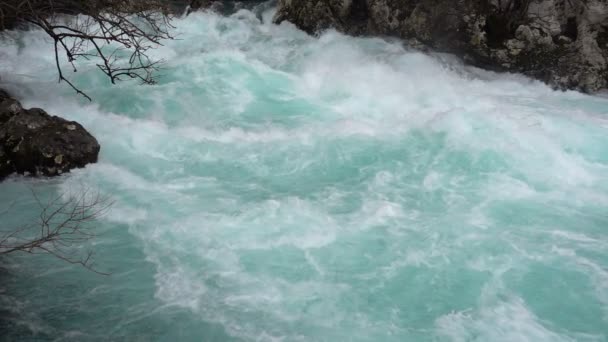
119 33
63 225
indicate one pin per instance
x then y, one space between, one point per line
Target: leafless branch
119 33
64 223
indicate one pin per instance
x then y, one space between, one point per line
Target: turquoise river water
280 187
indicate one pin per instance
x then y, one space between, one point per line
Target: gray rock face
561 42
223 6
32 141
205 4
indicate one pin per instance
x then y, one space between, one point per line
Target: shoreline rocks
225 7
35 143
561 42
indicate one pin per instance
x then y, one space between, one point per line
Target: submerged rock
561 42
34 142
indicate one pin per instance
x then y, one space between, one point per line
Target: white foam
177 287
504 321
202 165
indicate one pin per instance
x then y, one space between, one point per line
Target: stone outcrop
561 42
223 6
205 4
36 143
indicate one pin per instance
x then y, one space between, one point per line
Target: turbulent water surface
276 186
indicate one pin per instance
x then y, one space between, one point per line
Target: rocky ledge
36 143
561 42
224 6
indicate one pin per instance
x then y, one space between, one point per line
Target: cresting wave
276 186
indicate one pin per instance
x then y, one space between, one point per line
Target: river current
275 186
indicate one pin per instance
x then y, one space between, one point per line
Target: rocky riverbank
561 42
36 143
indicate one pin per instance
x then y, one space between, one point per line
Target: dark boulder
206 4
36 143
225 7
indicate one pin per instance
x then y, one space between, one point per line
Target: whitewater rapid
280 187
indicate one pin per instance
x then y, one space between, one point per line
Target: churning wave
277 186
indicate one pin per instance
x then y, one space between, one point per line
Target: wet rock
5 165
9 107
561 42
225 7
206 4
36 143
